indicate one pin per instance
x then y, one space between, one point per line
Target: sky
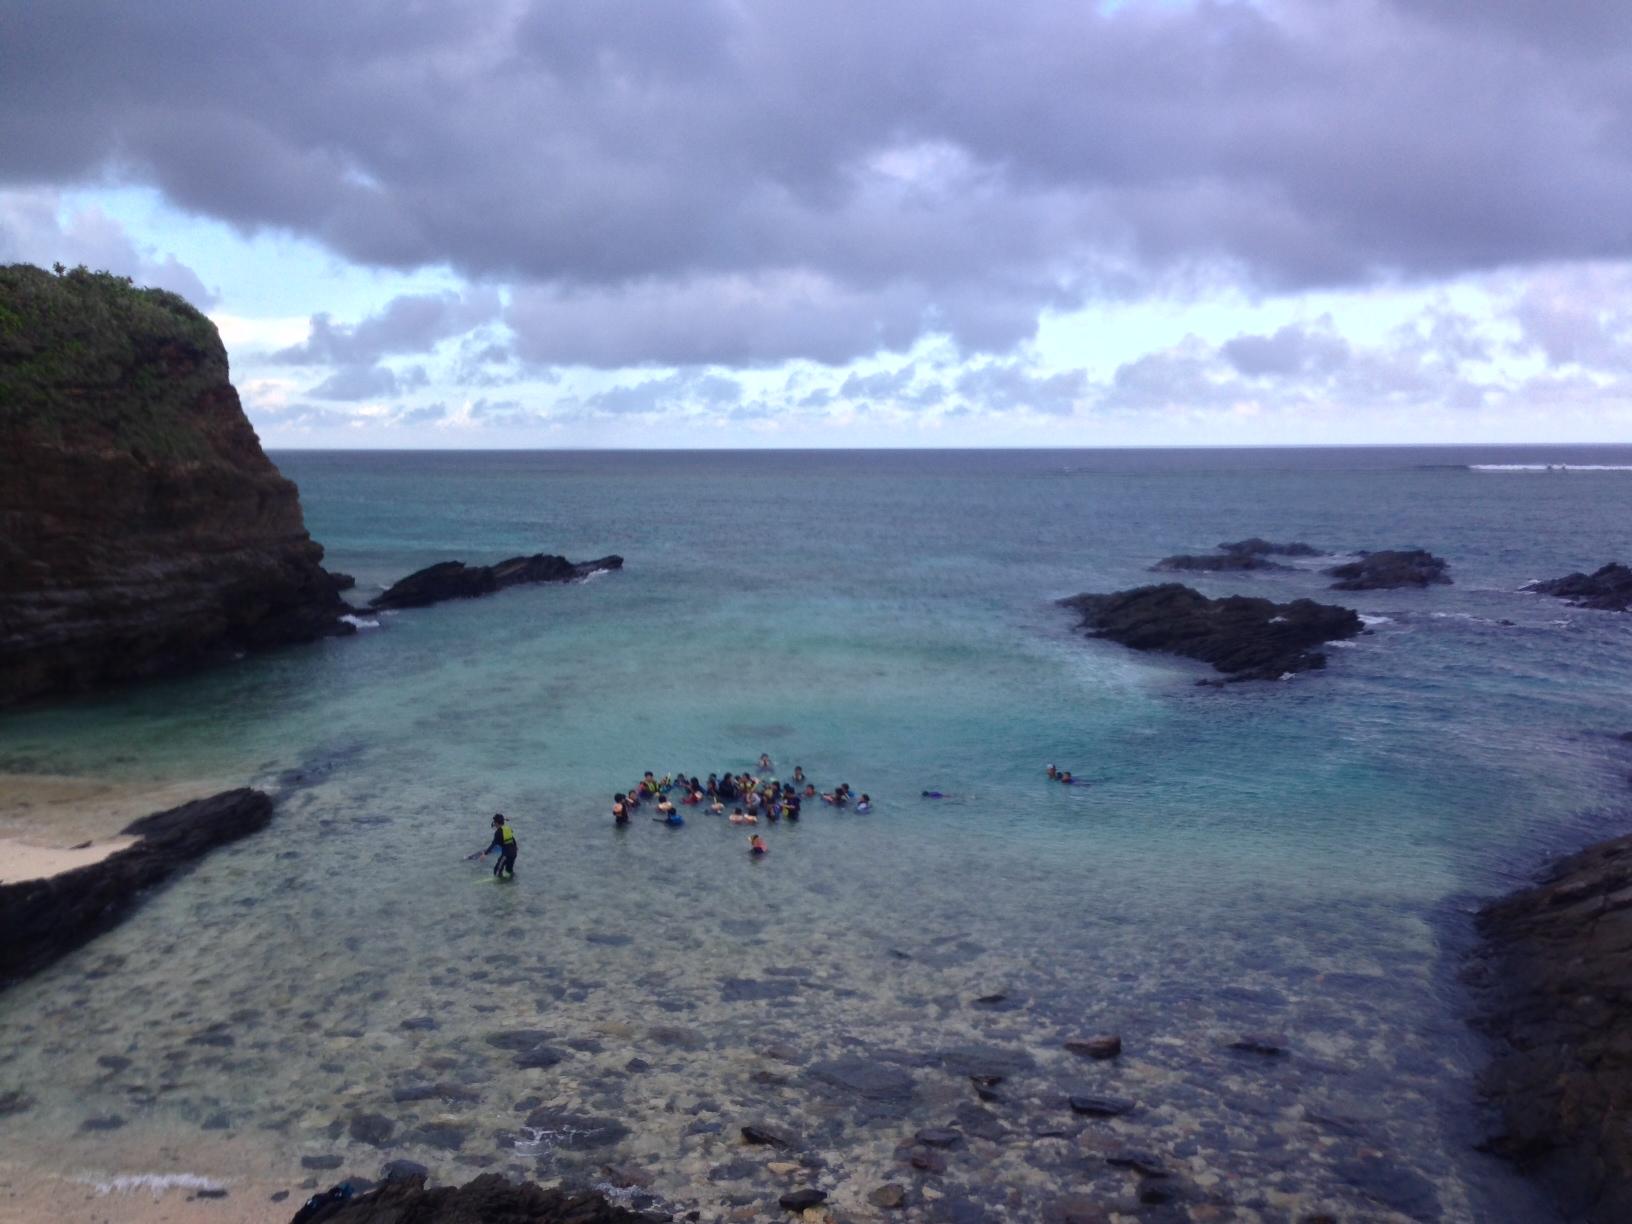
721 223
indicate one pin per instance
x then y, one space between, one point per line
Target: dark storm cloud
723 182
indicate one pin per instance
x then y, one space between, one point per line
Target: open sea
1299 859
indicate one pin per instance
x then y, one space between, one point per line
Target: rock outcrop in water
1608 589
489 1199
1257 547
1215 563
1387 570
142 529
44 919
1556 983
456 580
1243 637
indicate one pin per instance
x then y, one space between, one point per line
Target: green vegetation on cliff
88 356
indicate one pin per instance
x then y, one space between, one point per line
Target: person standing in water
504 841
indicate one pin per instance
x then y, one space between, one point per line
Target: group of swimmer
1060 775
753 796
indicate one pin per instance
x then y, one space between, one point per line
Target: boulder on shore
456 580
142 528
44 919
1555 986
1608 589
488 1199
1243 637
1384 571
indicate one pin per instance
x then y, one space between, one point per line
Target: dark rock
321 1162
926 1160
419 1023
1214 563
210 1192
1142 1163
1100 1106
636 1065
108 1123
983 1061
1608 589
449 1136
889 1196
217 1121
540 1056
1382 571
1554 982
865 1078
1245 638
799 1200
399 1170
44 919
1255 547
279 1195
751 990
15 1101
765 1136
1076 1209
939 1137
489 1199
456 580
1260 1043
145 531
1393 1185
981 1123
518 1039
574 1132
340 582
113 1062
1105 1045
372 1128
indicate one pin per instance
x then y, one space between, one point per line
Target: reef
1555 983
1608 589
1238 555
1243 637
142 528
456 580
488 1199
1257 547
1387 570
44 919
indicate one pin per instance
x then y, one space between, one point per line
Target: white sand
46 820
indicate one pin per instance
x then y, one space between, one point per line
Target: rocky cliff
142 529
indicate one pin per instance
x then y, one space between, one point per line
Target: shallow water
1297 859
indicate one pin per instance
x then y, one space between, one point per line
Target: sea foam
156 1183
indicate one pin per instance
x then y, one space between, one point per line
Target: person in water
741 817
717 807
648 784
1065 776
1052 772
504 841
765 761
620 809
757 846
865 805
933 794
665 807
810 790
798 774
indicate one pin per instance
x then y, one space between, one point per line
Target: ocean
1298 859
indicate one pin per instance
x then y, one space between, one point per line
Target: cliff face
142 529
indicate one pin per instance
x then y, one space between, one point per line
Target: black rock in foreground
41 920
1243 637
489 1199
456 580
1556 989
1383 571
1608 589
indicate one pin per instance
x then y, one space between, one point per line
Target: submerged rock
1382 571
1608 589
1556 995
1243 637
489 1199
456 580
1257 547
1104 1045
145 531
43 919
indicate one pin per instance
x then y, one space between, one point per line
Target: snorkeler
504 841
933 794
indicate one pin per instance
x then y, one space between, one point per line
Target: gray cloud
715 182
1004 386
1294 349
668 394
364 382
412 323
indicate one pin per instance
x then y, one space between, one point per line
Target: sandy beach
50 823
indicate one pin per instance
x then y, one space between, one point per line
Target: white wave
361 622
600 573
1550 467
1343 645
1375 620
156 1183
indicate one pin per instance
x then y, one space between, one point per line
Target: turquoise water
1295 858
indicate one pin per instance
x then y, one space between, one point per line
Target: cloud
412 323
1005 386
35 228
674 392
1294 349
719 183
360 382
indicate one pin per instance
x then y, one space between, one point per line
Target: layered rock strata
1243 637
1555 980
142 528
41 920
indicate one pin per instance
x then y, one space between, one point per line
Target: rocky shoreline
47 918
1555 988
456 580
